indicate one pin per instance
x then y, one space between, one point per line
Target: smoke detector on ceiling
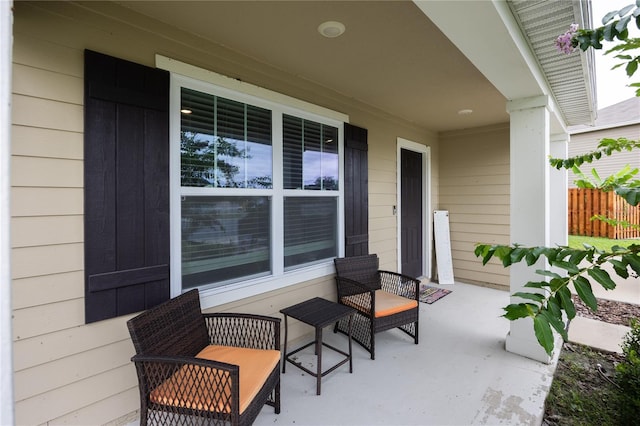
331 29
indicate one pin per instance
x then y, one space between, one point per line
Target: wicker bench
218 368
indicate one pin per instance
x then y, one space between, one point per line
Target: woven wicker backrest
363 269
173 328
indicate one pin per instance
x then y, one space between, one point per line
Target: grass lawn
576 241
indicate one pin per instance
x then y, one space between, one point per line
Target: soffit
393 58
390 58
571 78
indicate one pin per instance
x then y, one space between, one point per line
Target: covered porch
482 106
458 374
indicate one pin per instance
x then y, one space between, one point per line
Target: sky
611 84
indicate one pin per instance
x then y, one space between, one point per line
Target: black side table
318 313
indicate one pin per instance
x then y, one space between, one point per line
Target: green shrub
628 374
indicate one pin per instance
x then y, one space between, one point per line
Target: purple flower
565 43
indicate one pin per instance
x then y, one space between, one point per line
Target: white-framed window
256 186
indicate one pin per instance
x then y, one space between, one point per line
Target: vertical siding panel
474 188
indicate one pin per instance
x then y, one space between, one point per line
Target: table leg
286 335
350 355
319 353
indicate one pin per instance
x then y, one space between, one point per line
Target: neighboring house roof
623 113
615 121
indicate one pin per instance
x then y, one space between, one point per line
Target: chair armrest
243 330
400 284
356 295
183 381
349 287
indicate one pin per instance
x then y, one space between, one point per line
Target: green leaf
503 253
631 68
547 273
631 195
557 283
563 253
622 23
583 288
517 254
537 284
515 311
543 333
625 10
536 297
609 16
610 32
563 296
578 256
632 260
620 268
556 322
569 267
550 253
554 307
602 277
595 38
531 258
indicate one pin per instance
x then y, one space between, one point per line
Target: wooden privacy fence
585 203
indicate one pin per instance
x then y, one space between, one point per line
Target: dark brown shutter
126 187
356 191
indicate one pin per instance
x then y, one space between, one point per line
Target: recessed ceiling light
465 112
331 29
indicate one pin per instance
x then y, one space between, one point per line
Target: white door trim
426 203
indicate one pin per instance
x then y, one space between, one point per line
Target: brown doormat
429 294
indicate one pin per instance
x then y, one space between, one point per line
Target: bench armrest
243 330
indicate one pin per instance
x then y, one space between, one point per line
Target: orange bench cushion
386 304
184 388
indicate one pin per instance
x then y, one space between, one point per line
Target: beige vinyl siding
582 143
474 188
66 372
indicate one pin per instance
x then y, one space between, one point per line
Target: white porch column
558 192
530 206
6 346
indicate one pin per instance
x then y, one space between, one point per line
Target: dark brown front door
411 212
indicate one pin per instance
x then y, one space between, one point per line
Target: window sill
219 296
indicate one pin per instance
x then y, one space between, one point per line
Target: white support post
6 345
559 193
530 206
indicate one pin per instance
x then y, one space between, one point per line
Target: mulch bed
609 311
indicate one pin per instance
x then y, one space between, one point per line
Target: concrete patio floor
459 374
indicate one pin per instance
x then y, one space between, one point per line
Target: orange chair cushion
386 303
184 388
389 303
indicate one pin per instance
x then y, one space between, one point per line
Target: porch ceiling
391 57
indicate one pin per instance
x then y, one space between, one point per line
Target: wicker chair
383 299
187 369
